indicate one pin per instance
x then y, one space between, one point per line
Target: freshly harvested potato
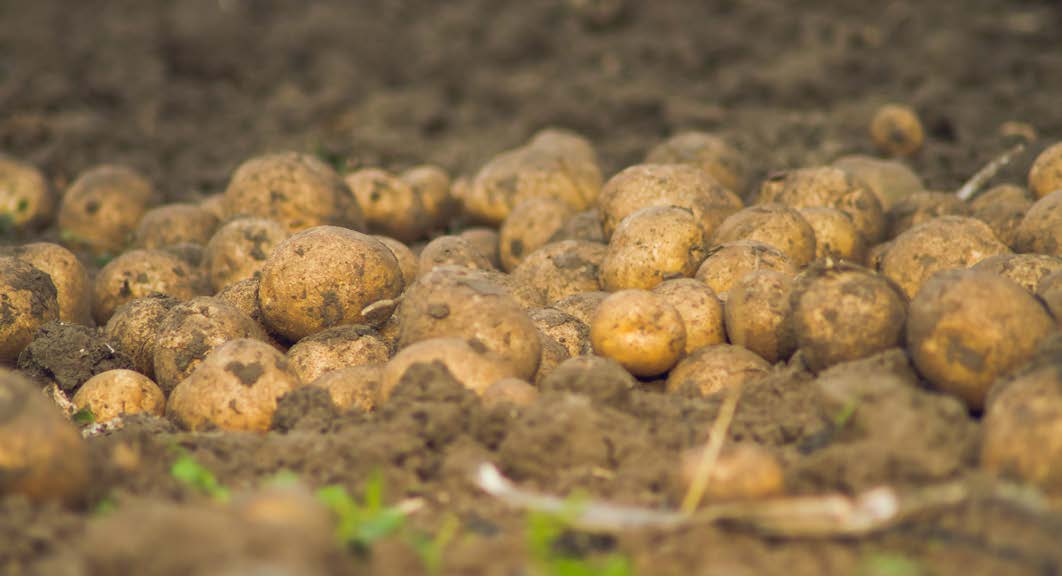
758 314
714 368
921 207
353 387
215 204
297 190
773 224
1025 269
680 185
431 185
323 277
566 329
1002 208
512 391
640 330
139 273
1050 291
451 251
700 309
390 204
561 269
485 240
27 203
407 260
240 248
1040 230
1001 193
114 393
552 355
528 227
653 245
527 295
709 153
965 328
174 224
944 243
582 305
602 380
469 361
829 187
585 226
844 312
836 236
335 348
896 130
28 300
741 472
191 330
102 208
731 261
243 296
1045 176
890 180
68 275
134 329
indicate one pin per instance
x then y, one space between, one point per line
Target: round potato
68 275
102 208
836 236
243 296
485 241
581 305
355 387
640 330
553 354
27 203
239 250
921 207
215 204
140 273
561 269
566 329
773 224
174 224
28 300
709 153
1025 269
390 204
407 260
134 329
890 180
741 472
1040 230
115 393
896 130
829 187
470 363
1045 176
585 225
431 185
653 245
335 348
700 309
714 368
728 263
509 391
451 251
1050 291
603 380
758 314
528 227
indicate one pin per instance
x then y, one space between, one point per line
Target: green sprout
188 471
84 417
431 548
362 523
543 532
844 415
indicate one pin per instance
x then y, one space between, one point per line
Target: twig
973 186
712 449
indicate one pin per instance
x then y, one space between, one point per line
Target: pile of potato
678 269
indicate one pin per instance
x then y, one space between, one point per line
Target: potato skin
709 153
1025 269
835 234
742 472
470 362
566 329
134 329
759 314
650 246
896 130
102 207
71 280
890 180
528 227
27 202
1045 176
640 330
1040 230
451 251
335 348
715 368
562 269
139 273
174 224
828 187
773 224
28 300
727 263
390 204
356 387
115 393
407 260
700 309
239 249
922 207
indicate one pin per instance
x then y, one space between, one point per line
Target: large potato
773 224
700 309
709 153
101 209
640 330
1045 176
470 363
71 280
390 204
239 249
528 227
728 263
134 329
335 348
174 224
759 314
890 180
1040 230
826 186
140 273
28 300
115 393
561 269
715 368
653 245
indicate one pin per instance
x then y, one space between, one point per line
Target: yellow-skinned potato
827 186
1040 230
714 368
335 348
101 209
215 204
407 260
528 227
511 391
640 330
922 207
527 295
566 329
561 269
27 301
71 281
758 314
1050 291
700 309
581 305
741 472
890 180
836 236
553 354
27 202
243 296
1025 269
451 251
1045 176
727 263
390 204
240 248
773 224
432 185
174 224
114 393
139 273
485 241
652 245
470 363
708 152
896 130
353 387
134 329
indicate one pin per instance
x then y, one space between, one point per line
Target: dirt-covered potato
335 348
836 236
773 224
215 204
1025 269
1045 176
585 226
114 393
190 330
407 260
700 309
566 329
243 295
758 314
390 204
174 224
527 295
236 387
511 391
640 330
459 302
296 190
431 185
680 185
715 368
469 361
134 328
552 355
451 251
921 207
652 245
741 472
876 255
239 249
27 202
485 240
965 328
353 387
1040 230
709 152
528 227
561 269
581 305
944 243
42 456
1002 208
890 180
324 277
102 208
729 262
830 187
67 273
28 300
1050 291
844 312
139 273
896 130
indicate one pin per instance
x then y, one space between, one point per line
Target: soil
185 91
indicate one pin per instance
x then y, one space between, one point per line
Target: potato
585 225
431 185
191 254
353 387
1040 230
561 269
828 187
709 153
1050 291
758 314
390 205
323 277
407 260
944 243
1000 193
836 236
27 203
896 130
714 368
965 328
845 312
42 456
296 190
727 263
243 296
527 295
174 224
680 185
581 305
28 300
485 241
451 251
552 355
602 380
650 246
71 281
890 180
1045 175
773 224
511 391
134 329
240 248
139 273
640 330
115 393
700 309
190 330
876 255
458 302
528 227
101 209
1025 269
215 204
922 207
1003 212
566 329
741 472
335 348
469 361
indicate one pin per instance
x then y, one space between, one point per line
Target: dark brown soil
69 354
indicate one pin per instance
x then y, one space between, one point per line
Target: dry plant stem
712 448
977 182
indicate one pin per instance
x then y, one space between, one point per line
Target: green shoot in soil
844 415
431 548
191 473
542 534
361 523
84 417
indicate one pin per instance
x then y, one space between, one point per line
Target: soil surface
185 91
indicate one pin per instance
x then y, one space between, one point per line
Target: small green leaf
105 506
23 205
84 417
844 415
191 473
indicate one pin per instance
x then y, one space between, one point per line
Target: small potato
100 210
585 226
239 250
134 329
431 185
139 273
581 305
470 362
896 130
236 387
1025 269
1045 176
528 227
335 348
324 277
174 224
390 205
700 309
485 241
729 262
561 269
566 329
709 153
28 300
451 251
922 207
741 472
1040 230
1050 291
773 224
836 236
828 187
511 391
407 260
640 330
27 203
965 328
68 275
758 314
353 387
890 180
114 393
715 368
944 243
653 245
